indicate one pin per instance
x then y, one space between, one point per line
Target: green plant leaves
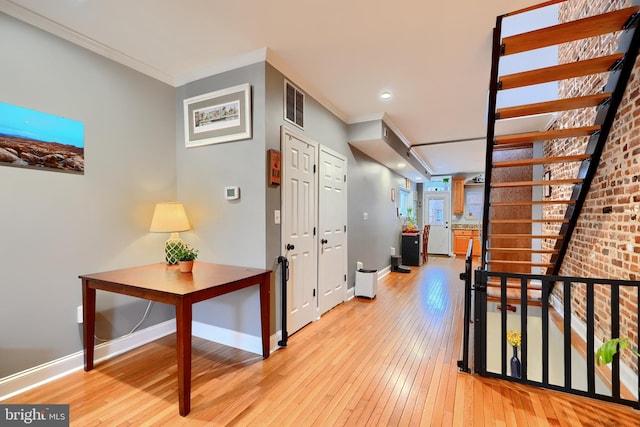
604 355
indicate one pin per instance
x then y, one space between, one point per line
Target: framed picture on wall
220 116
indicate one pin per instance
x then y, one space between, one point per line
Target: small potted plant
186 256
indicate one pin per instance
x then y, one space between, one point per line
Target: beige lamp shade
169 217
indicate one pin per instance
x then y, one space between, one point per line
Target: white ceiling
434 56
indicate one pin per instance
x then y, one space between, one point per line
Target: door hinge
345 277
345 178
314 168
314 293
314 231
345 228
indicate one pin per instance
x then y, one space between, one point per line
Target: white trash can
366 283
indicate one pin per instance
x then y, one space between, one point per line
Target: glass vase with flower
515 339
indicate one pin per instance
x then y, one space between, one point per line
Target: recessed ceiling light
386 95
401 165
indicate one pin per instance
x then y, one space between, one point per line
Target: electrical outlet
79 314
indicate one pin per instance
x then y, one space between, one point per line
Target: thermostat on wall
232 192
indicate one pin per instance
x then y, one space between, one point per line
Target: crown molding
239 61
25 15
302 83
366 118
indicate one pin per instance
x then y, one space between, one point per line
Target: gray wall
370 240
55 226
226 232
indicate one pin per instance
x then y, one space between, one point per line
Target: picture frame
30 137
546 189
220 116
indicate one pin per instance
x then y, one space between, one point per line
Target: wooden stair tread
535 202
569 31
552 106
527 221
514 286
546 135
513 295
535 183
534 301
526 250
529 263
523 236
513 282
541 161
513 146
559 72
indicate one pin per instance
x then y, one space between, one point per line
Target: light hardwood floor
390 361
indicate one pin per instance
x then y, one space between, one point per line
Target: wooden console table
164 283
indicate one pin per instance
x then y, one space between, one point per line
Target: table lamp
170 217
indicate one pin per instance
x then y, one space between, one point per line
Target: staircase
537 181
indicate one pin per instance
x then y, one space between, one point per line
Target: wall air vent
293 105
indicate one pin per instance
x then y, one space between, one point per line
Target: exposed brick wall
603 245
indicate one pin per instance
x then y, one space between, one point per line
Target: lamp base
172 248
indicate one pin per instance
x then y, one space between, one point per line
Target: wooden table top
168 278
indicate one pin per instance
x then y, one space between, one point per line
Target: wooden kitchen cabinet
458 195
461 242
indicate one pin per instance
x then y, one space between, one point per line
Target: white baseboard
234 339
42 374
384 272
351 293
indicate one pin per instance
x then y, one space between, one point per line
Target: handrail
491 124
284 276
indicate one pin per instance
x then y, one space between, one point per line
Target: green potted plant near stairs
186 256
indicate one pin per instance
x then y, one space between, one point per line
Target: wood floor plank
387 361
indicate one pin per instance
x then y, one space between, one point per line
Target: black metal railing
467 276
549 333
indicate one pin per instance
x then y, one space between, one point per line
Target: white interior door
299 220
437 215
332 226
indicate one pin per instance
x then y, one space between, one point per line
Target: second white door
332 226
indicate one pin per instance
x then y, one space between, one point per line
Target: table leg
183 344
265 309
88 323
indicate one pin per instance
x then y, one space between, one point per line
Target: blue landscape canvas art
37 140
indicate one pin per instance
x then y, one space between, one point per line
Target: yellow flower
514 338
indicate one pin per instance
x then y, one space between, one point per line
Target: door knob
290 247
323 241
